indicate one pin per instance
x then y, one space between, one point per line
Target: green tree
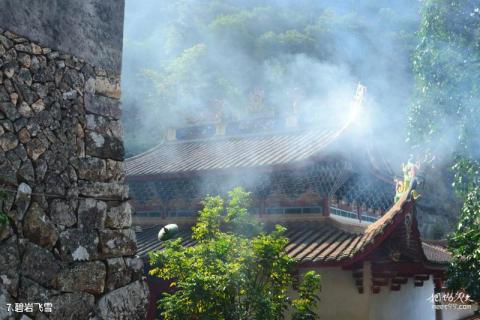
465 246
235 270
445 118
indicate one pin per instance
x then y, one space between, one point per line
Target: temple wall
68 240
409 303
340 299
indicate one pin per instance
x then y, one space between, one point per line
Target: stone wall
68 241
90 29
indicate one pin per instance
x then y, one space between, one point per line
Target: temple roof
243 151
436 253
328 241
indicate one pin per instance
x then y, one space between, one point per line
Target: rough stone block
39 264
4 299
5 42
103 106
129 302
22 199
78 245
84 276
119 217
118 275
21 152
24 76
91 214
25 110
117 243
7 171
91 168
6 232
76 305
9 265
56 184
27 94
115 170
104 125
36 147
103 189
4 96
135 265
107 87
62 213
73 79
32 291
36 49
23 48
38 228
14 159
104 146
8 141
9 111
26 172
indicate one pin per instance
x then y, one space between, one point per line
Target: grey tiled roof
322 241
243 151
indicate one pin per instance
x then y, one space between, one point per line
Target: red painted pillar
326 207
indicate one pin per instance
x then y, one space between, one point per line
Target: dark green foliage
234 271
305 305
445 118
464 272
447 72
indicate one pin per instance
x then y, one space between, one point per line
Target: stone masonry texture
69 240
88 29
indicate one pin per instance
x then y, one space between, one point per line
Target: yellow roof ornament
410 170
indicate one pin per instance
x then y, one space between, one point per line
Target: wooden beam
404 268
418 283
381 275
380 282
422 277
399 280
354 266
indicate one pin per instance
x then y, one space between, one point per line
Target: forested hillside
185 61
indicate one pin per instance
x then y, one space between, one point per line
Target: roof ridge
392 212
236 151
230 137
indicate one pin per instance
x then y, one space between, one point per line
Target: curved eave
378 232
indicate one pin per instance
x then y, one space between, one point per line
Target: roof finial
410 170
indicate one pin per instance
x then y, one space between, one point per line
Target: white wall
340 300
409 303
